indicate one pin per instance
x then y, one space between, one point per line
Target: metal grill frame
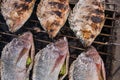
109 54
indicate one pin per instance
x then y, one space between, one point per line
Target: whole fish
87 19
16 12
88 66
52 15
17 58
49 61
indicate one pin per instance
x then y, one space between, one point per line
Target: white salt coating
49 61
52 15
14 57
81 22
16 13
85 67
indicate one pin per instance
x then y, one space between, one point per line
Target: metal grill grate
102 43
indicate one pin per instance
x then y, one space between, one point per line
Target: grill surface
102 43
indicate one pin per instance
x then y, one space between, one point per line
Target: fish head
54 59
17 56
62 45
16 13
27 37
24 61
26 55
94 55
88 66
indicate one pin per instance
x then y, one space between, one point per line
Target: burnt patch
16 5
86 34
86 17
28 0
22 7
94 26
56 23
96 19
92 36
51 30
58 13
98 12
59 5
96 3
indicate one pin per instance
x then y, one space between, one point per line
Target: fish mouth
13 26
27 36
86 42
52 33
61 42
27 40
13 29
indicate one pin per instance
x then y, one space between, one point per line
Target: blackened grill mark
94 27
51 30
98 12
60 5
92 36
86 17
58 13
56 23
22 7
96 19
28 0
16 5
96 3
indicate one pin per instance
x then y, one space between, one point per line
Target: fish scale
85 66
87 19
16 12
49 61
14 58
52 15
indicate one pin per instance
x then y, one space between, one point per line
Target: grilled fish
87 19
52 15
15 57
16 12
88 66
49 61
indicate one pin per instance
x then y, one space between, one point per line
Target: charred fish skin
52 15
88 66
49 60
16 12
14 58
87 19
